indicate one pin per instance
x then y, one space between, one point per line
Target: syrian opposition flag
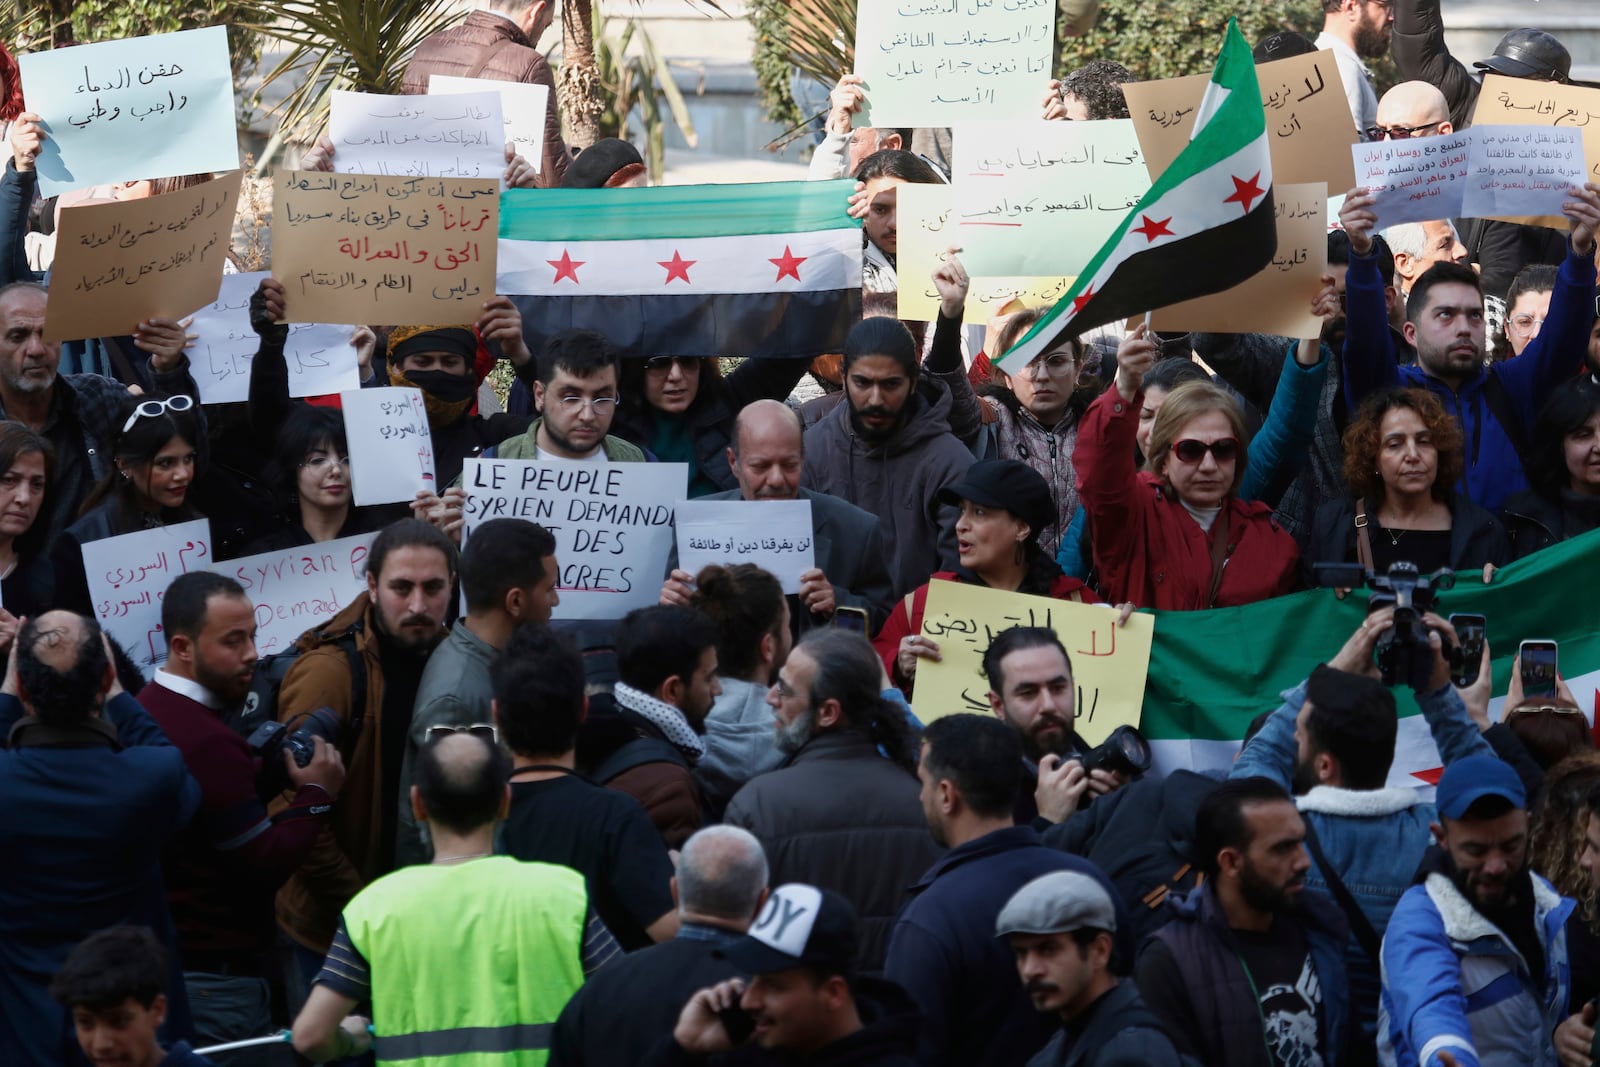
1212 672
1206 224
767 269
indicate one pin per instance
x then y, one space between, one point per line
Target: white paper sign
612 523
457 136
128 577
524 107
320 356
298 588
391 448
775 535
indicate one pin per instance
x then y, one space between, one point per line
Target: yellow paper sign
1109 663
355 248
119 264
1308 120
1277 298
1519 102
925 235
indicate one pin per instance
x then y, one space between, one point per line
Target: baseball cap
801 926
1057 903
1529 53
1009 484
1466 781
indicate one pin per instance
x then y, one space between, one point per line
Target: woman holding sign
1005 505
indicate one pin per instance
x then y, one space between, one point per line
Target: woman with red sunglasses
1176 536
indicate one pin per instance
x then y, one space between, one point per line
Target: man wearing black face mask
888 444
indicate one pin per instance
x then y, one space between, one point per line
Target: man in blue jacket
1496 405
1475 959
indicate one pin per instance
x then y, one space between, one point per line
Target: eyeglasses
663 364
154 409
1526 323
1053 365
321 462
486 730
1385 4
1191 451
1400 133
572 405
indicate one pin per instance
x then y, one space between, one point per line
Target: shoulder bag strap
1219 553
1363 539
1360 925
485 56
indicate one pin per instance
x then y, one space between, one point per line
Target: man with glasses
1410 109
1357 30
576 396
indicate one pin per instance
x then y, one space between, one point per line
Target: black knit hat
595 165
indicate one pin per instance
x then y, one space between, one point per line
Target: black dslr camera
270 739
1125 750
1403 655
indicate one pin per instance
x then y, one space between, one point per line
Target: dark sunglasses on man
1400 133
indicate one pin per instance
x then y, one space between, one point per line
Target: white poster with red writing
128 576
391 448
295 589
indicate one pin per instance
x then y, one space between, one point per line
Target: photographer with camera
1332 743
222 871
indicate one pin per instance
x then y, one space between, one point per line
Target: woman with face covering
1004 506
1564 468
1402 462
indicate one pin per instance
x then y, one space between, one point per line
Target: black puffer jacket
1534 520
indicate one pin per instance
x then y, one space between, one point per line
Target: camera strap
1219 553
1366 936
1363 539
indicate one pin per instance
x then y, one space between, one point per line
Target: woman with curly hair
1402 461
1556 850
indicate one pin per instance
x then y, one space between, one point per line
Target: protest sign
403 251
1039 198
936 63
1276 300
298 588
459 135
1308 120
320 357
128 576
612 524
925 237
1476 173
1504 101
524 107
145 107
391 448
775 535
1109 662
119 264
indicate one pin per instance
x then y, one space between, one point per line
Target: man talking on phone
804 1003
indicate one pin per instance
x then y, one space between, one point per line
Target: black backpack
261 703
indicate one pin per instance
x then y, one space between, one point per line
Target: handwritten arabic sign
1521 102
452 136
128 577
298 588
775 535
118 264
524 107
1109 663
1476 173
926 234
321 358
146 107
1277 299
1308 120
1039 198
404 251
391 448
937 62
612 524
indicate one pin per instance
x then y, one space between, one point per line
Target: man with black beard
1250 970
1357 30
1332 741
1475 961
888 450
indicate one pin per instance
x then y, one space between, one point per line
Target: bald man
767 455
1411 109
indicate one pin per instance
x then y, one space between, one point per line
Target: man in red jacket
222 871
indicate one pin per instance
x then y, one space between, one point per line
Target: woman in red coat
1176 536
1005 504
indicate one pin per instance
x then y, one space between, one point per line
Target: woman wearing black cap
1005 504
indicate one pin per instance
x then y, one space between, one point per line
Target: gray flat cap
1056 903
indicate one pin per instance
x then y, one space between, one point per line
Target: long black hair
16 441
308 429
1568 408
136 446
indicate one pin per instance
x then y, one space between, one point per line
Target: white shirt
1358 91
186 687
1204 516
598 456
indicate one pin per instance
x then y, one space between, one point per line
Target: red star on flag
566 267
1150 228
677 267
1431 776
1246 191
1080 301
789 265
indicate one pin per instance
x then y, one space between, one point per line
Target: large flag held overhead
767 269
1206 224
